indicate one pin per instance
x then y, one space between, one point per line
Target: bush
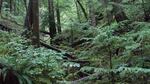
37 63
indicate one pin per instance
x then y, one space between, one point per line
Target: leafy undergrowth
38 65
117 53
127 43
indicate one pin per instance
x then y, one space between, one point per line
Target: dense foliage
79 42
28 61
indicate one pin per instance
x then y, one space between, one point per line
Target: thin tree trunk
10 5
83 10
1 4
14 5
111 67
78 11
29 15
58 17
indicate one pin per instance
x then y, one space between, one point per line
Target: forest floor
91 60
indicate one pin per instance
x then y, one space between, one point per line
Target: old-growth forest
74 41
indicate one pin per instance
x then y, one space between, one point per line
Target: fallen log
68 56
80 61
10 20
93 76
2 27
80 41
5 28
44 32
118 75
10 27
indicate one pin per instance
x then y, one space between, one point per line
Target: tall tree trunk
14 9
52 25
58 17
1 4
35 30
32 22
29 17
10 5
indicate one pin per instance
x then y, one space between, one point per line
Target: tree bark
29 15
1 4
10 5
78 11
32 22
52 25
58 18
83 9
35 30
